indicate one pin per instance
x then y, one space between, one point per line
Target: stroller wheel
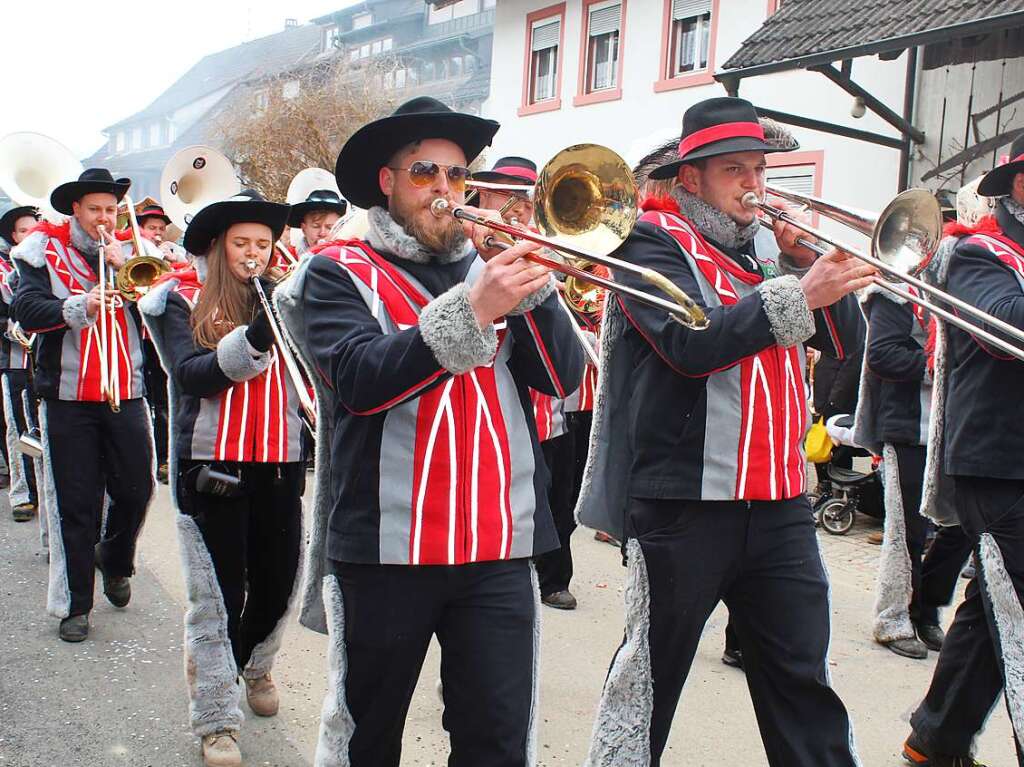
836 516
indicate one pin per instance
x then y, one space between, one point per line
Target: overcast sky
72 68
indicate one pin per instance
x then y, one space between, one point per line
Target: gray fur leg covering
58 594
450 328
531 733
18 492
210 672
893 587
336 723
74 312
1009 620
786 308
622 730
37 465
238 359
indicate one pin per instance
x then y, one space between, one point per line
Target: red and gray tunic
56 274
434 458
714 415
232 403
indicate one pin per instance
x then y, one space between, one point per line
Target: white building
622 72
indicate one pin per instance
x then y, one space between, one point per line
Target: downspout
909 98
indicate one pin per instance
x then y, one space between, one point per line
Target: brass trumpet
138 273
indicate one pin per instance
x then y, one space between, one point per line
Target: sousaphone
32 165
192 179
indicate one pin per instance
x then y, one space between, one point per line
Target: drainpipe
909 97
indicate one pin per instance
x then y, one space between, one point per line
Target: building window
136 139
154 134
489 4
362 20
465 8
544 39
691 37
261 100
120 141
387 44
799 172
170 133
290 89
603 21
331 37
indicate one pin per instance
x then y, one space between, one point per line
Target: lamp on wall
858 109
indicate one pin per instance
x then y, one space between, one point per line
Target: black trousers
93 450
22 397
483 615
762 560
970 673
156 389
253 540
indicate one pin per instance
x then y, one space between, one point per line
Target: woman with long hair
236 464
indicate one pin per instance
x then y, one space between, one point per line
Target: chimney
291 23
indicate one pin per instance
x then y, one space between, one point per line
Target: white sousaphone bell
193 178
32 165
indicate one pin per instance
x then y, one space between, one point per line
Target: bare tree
276 127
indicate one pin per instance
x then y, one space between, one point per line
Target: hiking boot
117 590
876 538
74 628
914 752
931 635
220 749
733 656
262 695
606 538
560 600
23 512
908 648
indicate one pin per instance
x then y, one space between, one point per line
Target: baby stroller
847 491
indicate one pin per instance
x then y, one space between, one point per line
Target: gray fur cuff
238 359
536 298
786 307
450 328
75 314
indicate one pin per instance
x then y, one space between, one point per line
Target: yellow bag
817 444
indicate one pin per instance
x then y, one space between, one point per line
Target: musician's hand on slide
479 234
93 304
786 235
113 254
506 280
832 276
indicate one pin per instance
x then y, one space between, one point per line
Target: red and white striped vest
757 408
462 490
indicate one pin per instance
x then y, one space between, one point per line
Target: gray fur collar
5 249
1014 208
81 241
154 303
387 236
711 222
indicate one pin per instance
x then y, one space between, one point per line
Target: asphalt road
119 698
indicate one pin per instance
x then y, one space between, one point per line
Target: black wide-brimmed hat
998 181
153 211
714 127
248 206
9 217
518 169
319 199
370 147
91 181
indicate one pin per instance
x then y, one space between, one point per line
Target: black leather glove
258 334
267 284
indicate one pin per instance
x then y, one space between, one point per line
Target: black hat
10 217
518 169
320 199
152 211
245 207
717 126
92 180
370 147
998 181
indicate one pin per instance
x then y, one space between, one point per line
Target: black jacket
984 427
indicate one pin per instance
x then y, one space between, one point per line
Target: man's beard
439 235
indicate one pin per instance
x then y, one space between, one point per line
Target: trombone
110 369
586 205
904 238
145 267
305 401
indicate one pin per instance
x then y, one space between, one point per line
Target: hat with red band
714 127
152 211
517 169
999 181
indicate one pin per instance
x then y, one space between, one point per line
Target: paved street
119 698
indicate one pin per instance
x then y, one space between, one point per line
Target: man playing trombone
432 500
710 423
96 433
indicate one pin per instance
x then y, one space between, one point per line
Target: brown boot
262 695
221 749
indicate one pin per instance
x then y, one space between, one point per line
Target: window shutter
798 178
686 9
545 34
605 20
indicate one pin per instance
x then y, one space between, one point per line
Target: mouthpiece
440 207
251 265
750 200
